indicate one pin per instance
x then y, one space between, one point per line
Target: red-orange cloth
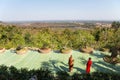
88 65
71 63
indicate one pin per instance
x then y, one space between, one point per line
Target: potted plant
65 50
21 50
104 49
87 50
114 57
45 49
2 50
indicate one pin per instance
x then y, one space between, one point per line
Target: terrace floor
57 61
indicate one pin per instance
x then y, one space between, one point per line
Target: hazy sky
12 10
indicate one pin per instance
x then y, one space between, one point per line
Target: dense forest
12 36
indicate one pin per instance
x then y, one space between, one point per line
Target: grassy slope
57 61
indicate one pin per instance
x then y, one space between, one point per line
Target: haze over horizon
33 10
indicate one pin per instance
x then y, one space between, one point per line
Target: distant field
57 61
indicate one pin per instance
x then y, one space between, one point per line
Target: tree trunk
114 52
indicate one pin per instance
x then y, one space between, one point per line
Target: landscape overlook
59 40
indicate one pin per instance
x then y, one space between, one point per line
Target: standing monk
88 65
71 63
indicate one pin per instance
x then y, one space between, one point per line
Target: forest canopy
12 36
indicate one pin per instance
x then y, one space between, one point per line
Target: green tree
116 24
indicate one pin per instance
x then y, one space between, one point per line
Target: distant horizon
59 21
51 10
56 20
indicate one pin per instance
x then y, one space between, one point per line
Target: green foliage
63 75
96 76
12 36
116 24
12 73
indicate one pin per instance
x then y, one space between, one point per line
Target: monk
88 65
71 63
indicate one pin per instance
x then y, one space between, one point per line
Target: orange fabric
71 63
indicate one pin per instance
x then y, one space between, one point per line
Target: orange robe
71 64
88 65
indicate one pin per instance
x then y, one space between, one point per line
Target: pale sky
23 10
